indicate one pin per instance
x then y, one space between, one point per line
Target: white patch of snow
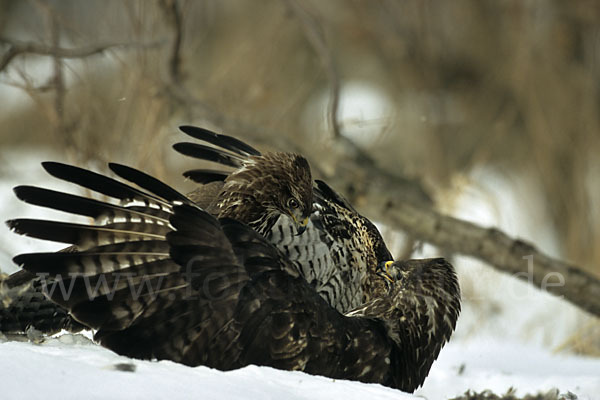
84 370
70 366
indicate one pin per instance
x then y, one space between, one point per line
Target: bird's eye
293 203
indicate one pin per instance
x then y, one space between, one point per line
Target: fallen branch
510 255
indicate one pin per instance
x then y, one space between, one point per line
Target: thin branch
315 35
16 48
58 82
34 92
175 18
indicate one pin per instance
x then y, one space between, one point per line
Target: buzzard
339 247
316 235
257 192
330 244
158 277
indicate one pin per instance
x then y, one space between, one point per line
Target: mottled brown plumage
158 277
265 188
256 192
326 302
259 189
338 246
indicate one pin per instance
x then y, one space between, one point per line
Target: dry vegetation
510 85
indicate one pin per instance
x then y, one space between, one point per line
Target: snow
495 364
80 368
71 366
504 338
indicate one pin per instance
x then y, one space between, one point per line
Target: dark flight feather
82 235
147 182
223 141
206 175
77 204
207 153
97 182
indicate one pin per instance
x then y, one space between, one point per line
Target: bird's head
275 184
295 195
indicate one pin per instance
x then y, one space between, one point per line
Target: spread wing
339 245
331 254
121 279
158 277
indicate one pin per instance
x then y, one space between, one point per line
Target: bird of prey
158 277
257 192
272 193
338 246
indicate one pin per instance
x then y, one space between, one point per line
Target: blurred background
487 110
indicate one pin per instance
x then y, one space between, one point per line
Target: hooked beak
301 226
383 271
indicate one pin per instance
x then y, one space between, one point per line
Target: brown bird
157 277
337 246
341 256
273 193
258 191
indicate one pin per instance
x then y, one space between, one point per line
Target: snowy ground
73 367
505 338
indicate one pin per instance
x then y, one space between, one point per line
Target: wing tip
22 192
114 167
50 166
13 225
195 131
179 146
19 260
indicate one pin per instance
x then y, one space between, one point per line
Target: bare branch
492 246
175 18
16 48
315 35
58 82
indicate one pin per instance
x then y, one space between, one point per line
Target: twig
173 12
58 82
16 48
316 37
